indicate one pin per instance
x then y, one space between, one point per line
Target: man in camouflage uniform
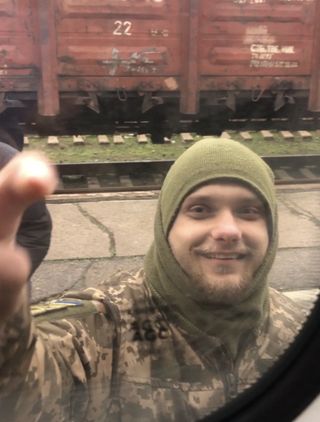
193 328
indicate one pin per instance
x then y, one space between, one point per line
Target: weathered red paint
314 97
189 97
48 92
186 48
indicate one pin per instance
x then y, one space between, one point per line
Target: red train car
123 58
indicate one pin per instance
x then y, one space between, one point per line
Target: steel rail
148 175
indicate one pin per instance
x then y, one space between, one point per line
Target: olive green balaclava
208 160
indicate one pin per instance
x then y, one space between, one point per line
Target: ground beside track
128 147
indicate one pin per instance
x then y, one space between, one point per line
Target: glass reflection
209 309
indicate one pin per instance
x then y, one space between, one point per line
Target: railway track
202 127
149 175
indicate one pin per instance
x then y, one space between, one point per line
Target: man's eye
251 212
198 211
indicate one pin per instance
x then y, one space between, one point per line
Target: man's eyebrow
197 197
250 199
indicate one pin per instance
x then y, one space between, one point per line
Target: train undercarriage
157 115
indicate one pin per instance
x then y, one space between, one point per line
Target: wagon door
254 48
117 48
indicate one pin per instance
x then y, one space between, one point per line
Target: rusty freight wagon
71 61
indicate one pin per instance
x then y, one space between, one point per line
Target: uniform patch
53 306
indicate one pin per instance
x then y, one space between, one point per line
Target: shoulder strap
116 344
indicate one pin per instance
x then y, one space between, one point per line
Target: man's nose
225 227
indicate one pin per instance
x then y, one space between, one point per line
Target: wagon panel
256 37
183 49
107 44
19 65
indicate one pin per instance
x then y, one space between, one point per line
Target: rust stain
67 59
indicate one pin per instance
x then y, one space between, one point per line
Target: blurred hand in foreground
27 178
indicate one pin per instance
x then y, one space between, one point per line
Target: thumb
25 179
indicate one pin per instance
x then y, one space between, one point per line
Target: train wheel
157 124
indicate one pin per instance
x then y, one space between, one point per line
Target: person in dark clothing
35 228
10 131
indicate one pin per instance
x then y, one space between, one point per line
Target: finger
15 267
25 179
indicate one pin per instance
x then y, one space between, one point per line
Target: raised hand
27 178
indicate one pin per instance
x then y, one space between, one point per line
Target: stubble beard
221 288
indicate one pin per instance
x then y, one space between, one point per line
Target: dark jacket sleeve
34 233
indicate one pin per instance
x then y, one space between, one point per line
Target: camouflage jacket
110 354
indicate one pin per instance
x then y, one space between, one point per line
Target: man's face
220 238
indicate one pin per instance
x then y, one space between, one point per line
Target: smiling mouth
222 256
